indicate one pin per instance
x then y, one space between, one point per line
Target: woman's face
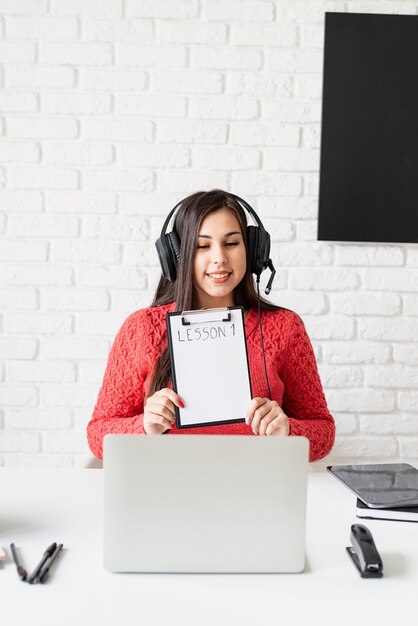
220 260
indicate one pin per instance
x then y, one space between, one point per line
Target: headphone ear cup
252 243
173 246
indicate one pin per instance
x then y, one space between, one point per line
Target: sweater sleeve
304 400
120 404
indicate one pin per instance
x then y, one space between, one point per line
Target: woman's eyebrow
233 232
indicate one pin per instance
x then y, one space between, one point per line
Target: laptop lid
193 503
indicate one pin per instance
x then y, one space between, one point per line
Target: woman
213 271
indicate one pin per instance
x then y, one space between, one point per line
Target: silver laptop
204 503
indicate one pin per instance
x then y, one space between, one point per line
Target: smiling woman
208 261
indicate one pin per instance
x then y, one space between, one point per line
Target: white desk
38 507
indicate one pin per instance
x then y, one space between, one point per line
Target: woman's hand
159 411
266 417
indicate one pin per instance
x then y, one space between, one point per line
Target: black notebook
406 514
380 485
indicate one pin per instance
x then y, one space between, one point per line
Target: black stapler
364 553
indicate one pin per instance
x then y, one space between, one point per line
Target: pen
21 572
48 552
45 570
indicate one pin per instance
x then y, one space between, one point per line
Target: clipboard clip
364 553
224 310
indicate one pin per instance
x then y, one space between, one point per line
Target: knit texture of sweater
291 366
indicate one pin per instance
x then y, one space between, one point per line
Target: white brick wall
113 110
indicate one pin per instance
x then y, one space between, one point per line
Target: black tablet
382 485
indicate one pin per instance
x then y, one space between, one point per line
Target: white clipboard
209 366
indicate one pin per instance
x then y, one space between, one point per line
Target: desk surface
38 507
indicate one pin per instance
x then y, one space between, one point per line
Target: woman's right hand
159 411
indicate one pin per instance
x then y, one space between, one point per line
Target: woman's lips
221 278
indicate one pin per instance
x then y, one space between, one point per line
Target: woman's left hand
266 417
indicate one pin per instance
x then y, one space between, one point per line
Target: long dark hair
187 223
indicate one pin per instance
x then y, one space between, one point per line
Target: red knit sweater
291 367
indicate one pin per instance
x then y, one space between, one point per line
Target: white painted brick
43 225
117 129
369 255
291 111
18 102
19 152
341 376
111 180
312 35
355 352
153 156
392 376
226 158
28 7
409 447
406 353
64 443
389 424
366 303
41 128
165 9
29 419
291 254
412 257
306 230
388 329
18 250
81 202
73 348
188 182
42 28
150 105
85 251
75 299
277 35
238 10
78 153
38 461
306 12
39 324
42 371
365 447
303 303
93 324
408 401
294 60
69 395
223 108
39 77
272 134
164 57
402 8
188 82
111 276
18 395
384 279
19 442
90 374
326 279
18 298
36 274
259 84
279 230
75 103
361 399
268 183
156 203
138 31
88 8
17 52
290 160
127 301
116 79
144 255
130 228
25 201
226 58
345 423
309 88
410 304
294 208
75 53
330 327
190 131
191 32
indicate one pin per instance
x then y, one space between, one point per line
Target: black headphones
258 242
